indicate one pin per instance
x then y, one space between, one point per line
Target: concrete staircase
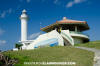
68 40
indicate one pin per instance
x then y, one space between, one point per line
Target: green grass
92 44
53 54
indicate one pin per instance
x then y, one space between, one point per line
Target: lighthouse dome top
24 11
64 18
24 15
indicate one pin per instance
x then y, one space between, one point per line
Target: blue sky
46 12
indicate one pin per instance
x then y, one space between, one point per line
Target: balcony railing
79 33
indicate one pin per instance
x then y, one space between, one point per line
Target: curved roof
67 22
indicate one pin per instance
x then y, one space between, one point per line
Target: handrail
79 33
67 36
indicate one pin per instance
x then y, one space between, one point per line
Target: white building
61 33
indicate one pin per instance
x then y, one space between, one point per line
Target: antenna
40 27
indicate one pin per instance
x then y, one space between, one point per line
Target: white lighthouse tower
24 19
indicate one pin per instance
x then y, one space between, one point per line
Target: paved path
97 55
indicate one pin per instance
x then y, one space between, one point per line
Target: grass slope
53 54
92 44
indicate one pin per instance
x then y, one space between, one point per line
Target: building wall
50 38
77 40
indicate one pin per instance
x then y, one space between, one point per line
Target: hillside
92 44
52 54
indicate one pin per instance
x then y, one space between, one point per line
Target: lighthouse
24 19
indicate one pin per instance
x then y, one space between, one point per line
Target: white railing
73 33
67 37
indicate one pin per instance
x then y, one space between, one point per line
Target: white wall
49 35
23 30
77 40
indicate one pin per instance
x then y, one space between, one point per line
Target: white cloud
2 42
55 1
28 1
43 0
34 35
1 31
4 13
71 3
21 0
10 10
25 1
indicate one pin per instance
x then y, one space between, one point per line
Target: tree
18 46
